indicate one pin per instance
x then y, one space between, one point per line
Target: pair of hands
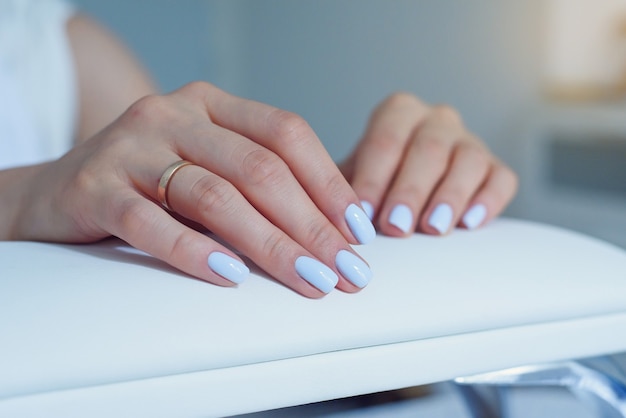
262 182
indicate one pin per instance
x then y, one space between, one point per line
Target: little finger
468 168
146 226
492 197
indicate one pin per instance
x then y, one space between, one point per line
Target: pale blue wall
170 37
333 60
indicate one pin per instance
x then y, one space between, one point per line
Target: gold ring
166 178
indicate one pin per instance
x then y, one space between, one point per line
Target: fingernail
360 224
316 273
441 218
353 268
228 267
401 217
475 216
368 209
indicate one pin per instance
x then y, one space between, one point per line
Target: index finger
377 159
291 138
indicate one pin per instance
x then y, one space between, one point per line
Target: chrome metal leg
595 382
482 402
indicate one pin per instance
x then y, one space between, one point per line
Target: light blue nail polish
441 218
368 209
353 268
360 224
228 267
402 218
475 216
316 273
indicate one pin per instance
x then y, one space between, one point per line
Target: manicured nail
353 268
228 267
441 218
316 273
475 216
360 224
368 209
402 218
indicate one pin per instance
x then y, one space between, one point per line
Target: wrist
15 200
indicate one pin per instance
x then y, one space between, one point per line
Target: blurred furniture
571 158
104 330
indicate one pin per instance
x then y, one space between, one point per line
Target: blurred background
543 82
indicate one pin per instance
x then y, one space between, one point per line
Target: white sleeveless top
38 88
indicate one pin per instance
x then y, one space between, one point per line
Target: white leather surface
117 329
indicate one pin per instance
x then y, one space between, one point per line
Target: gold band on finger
166 178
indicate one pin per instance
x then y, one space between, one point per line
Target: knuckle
84 182
198 86
335 187
263 167
213 195
197 89
402 102
319 234
132 216
403 99
149 108
276 246
180 245
288 127
447 113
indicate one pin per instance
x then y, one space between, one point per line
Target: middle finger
425 163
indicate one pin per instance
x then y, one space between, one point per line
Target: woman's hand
260 180
418 168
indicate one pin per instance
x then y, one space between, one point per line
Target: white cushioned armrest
104 330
